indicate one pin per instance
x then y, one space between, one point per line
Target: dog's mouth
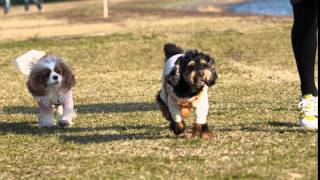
201 83
54 84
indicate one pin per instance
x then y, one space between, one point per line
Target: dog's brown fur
39 76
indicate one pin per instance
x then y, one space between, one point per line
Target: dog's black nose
55 77
201 74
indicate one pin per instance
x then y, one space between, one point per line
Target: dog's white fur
201 106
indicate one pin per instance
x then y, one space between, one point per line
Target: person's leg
38 4
26 5
305 45
304 41
6 6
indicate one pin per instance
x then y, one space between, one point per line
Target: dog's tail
171 50
25 61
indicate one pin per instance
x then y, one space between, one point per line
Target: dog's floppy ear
67 75
174 77
210 60
214 76
37 82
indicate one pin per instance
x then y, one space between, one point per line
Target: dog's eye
191 64
57 70
203 62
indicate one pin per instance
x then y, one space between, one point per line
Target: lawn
119 132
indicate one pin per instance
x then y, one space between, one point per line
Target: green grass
120 134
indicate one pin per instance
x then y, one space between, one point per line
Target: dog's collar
186 104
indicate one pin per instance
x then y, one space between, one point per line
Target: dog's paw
202 131
206 136
178 127
46 124
64 123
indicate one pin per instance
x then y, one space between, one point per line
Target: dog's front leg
46 116
201 127
177 124
68 111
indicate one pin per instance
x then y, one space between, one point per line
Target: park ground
119 132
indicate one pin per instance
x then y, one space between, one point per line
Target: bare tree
105 9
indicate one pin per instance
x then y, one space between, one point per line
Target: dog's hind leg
176 127
164 108
177 123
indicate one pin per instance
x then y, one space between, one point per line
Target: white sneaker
309 112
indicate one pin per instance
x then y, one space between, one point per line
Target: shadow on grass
88 139
149 131
33 129
90 108
283 124
267 127
263 127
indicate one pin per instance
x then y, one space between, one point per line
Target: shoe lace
309 107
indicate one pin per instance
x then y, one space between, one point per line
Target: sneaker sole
311 124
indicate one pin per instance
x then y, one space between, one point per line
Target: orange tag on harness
185 112
185 109
186 105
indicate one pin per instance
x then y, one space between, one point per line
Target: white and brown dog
49 81
186 78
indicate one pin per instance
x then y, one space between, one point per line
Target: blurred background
59 13
270 7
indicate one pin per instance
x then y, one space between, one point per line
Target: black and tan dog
186 78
